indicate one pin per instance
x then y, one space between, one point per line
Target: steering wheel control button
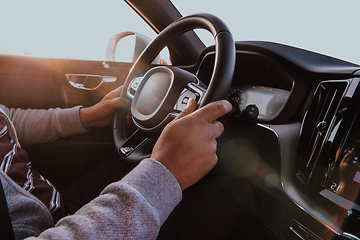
126 150
184 99
190 91
133 87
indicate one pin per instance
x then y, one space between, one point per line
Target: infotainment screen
345 180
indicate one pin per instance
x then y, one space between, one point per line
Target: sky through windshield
81 29
324 26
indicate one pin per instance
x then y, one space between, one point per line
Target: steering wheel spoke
137 143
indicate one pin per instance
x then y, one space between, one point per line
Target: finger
217 128
214 110
191 107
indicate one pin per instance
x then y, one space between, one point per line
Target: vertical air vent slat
318 120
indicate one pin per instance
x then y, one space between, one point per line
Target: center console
325 179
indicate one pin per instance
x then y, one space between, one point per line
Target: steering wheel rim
218 88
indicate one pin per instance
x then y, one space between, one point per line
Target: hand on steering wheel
190 156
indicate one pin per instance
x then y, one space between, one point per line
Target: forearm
35 126
134 207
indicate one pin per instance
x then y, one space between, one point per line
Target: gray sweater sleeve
35 126
29 216
133 208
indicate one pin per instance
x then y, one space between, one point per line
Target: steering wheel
159 94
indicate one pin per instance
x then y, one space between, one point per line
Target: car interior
293 133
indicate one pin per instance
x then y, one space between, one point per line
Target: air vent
319 118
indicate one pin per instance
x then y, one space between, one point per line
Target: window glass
77 29
323 26
81 29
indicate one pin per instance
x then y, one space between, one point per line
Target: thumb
114 93
191 107
120 102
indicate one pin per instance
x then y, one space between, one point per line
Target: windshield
81 29
327 27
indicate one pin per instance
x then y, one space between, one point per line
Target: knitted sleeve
36 126
133 208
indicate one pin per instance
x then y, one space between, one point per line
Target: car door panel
29 82
74 96
41 83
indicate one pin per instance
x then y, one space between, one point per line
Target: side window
66 29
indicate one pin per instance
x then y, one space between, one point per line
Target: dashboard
302 152
269 101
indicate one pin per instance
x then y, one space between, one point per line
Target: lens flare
272 180
239 157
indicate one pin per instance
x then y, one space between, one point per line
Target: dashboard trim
288 137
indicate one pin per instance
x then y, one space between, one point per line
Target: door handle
88 81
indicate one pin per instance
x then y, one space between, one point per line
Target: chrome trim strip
349 236
339 200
